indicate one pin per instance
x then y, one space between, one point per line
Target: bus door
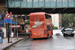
48 21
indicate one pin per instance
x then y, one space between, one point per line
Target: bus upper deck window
47 16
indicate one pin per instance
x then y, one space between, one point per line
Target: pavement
5 43
57 42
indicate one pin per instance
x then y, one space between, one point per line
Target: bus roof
38 13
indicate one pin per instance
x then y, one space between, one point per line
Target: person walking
1 35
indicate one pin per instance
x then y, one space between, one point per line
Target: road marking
17 43
66 40
65 47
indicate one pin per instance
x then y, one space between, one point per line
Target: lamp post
8 16
8 25
7 5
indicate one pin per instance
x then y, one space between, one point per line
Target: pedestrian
1 35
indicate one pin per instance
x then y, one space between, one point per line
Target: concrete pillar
21 16
60 19
25 16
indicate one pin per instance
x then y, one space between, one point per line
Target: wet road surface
57 42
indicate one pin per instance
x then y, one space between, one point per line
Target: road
57 42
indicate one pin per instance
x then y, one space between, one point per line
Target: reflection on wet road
57 42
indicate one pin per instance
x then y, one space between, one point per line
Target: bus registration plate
38 37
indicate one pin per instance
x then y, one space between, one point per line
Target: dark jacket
1 33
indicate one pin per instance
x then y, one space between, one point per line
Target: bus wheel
50 36
72 35
47 35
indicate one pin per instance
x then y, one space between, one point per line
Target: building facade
56 20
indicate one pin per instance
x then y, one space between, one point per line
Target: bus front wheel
50 36
47 35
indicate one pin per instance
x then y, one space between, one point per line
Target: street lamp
8 25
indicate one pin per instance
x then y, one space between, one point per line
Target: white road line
66 39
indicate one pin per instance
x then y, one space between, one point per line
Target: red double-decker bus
40 25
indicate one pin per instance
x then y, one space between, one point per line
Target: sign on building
14 22
7 15
7 20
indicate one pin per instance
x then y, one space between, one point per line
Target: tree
68 20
